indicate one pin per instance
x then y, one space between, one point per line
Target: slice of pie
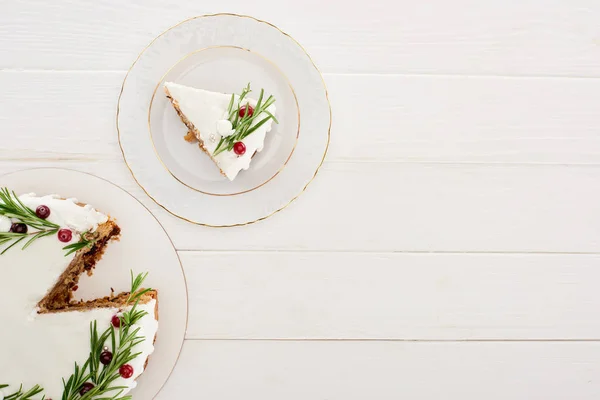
230 128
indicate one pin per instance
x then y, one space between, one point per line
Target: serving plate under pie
223 53
143 246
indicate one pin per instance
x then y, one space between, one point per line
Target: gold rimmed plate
240 66
223 53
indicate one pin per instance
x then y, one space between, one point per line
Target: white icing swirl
225 128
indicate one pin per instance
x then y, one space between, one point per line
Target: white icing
5 224
206 110
41 348
66 213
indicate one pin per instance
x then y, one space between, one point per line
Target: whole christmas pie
230 128
51 345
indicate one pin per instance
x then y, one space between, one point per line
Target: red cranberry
247 109
126 371
43 212
75 288
18 228
86 387
106 357
116 321
239 148
65 235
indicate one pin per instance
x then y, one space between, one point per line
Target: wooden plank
71 117
233 370
391 296
406 207
411 203
59 116
465 119
533 37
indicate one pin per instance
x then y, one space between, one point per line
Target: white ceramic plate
144 246
223 53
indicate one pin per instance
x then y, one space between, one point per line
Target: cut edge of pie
60 297
192 128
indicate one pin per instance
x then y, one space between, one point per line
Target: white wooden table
450 246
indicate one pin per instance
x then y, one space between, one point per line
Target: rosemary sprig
12 207
136 283
122 342
8 237
246 125
233 111
102 376
21 395
83 243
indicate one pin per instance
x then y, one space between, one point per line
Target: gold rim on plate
187 297
162 78
328 129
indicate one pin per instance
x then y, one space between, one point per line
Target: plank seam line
467 163
304 251
357 162
359 74
397 340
